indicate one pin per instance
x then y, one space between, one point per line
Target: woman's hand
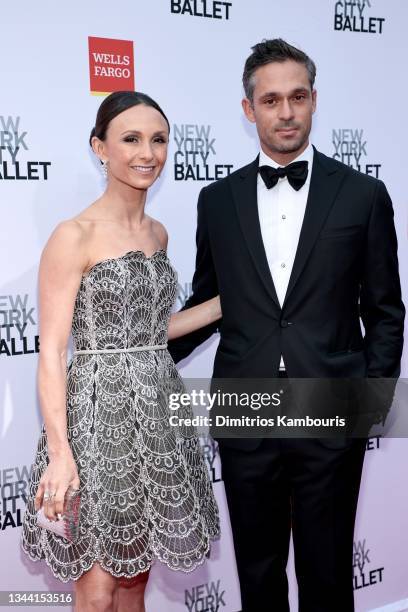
215 304
61 473
186 321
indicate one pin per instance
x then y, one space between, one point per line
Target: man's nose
286 110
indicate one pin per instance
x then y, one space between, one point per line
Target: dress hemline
154 560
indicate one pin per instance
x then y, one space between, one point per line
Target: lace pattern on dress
146 493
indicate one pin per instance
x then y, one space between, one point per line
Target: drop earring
104 168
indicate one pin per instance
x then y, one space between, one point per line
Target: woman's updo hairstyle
116 103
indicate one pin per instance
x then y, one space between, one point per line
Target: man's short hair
274 50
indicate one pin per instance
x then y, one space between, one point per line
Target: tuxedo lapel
244 189
325 183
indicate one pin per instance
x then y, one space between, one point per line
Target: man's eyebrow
275 94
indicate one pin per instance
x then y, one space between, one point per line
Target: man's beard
290 147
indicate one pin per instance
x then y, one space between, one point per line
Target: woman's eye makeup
157 139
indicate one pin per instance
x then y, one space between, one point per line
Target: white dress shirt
281 210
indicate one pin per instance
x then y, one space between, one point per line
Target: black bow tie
296 173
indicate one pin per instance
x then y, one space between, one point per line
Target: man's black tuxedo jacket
346 268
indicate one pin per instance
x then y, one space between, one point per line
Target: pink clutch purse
68 525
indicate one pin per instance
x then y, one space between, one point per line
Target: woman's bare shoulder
160 232
67 241
79 230
69 232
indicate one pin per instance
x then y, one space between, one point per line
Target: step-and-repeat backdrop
189 55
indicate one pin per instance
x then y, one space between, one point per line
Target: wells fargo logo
111 65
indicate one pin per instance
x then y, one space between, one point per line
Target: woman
105 277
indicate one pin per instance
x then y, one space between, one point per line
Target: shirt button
283 265
283 216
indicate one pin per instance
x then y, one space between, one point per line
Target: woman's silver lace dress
145 487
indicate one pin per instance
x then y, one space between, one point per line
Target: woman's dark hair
275 50
116 103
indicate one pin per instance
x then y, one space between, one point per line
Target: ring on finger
48 496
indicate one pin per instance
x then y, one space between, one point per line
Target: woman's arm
186 321
61 266
204 286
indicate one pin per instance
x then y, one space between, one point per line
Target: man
299 254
